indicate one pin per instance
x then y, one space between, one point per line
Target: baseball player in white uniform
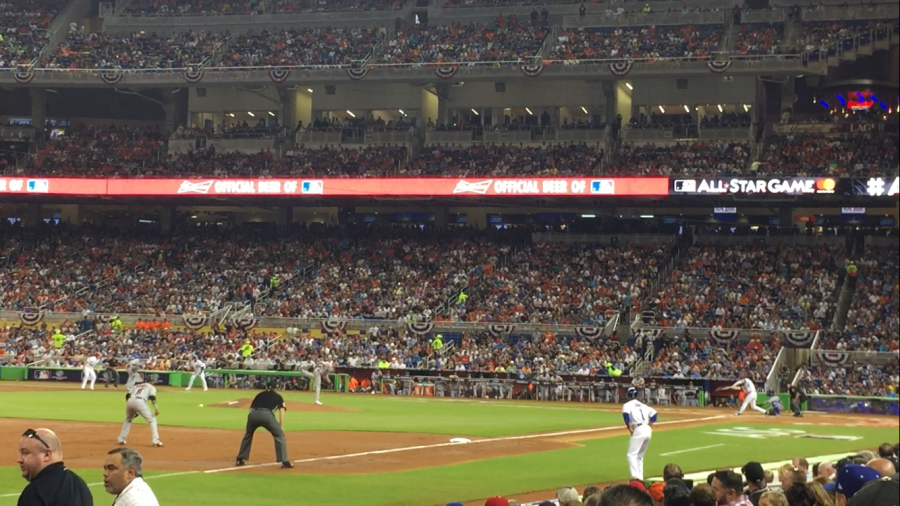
320 371
89 373
639 419
199 369
749 389
136 404
134 377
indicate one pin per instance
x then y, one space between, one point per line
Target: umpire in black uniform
262 414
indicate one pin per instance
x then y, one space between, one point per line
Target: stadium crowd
234 7
865 154
698 158
751 288
23 29
506 160
302 46
506 40
135 51
684 41
758 39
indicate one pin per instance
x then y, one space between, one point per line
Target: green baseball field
410 451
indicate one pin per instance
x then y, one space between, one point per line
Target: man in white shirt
199 369
638 419
122 478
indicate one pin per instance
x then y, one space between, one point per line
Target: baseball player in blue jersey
639 419
774 402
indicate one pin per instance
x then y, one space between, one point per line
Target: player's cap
753 472
497 501
883 492
851 478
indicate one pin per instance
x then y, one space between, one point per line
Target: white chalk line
444 445
167 475
691 450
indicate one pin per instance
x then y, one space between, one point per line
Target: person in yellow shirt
246 349
59 339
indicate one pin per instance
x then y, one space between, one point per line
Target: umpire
262 414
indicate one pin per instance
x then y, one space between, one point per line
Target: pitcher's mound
291 406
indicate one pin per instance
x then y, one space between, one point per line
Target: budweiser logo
189 187
480 187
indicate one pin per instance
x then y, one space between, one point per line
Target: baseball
201 405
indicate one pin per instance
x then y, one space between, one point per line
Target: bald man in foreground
884 466
49 482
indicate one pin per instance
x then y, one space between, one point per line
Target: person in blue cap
850 480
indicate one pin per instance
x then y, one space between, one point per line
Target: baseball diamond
383 444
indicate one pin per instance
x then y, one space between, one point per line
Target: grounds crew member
262 414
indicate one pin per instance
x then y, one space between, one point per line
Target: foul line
444 445
691 450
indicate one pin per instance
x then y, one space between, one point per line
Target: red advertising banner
52 186
405 187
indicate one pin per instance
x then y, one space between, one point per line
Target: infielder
320 371
134 377
749 390
774 402
199 369
88 373
136 404
639 419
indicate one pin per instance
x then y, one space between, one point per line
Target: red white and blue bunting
799 339
111 77
446 72
193 76
589 332
194 321
420 328
498 329
357 74
833 358
244 322
724 336
279 76
23 77
31 318
620 68
718 67
532 70
331 326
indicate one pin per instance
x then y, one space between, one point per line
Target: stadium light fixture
475 112
231 114
309 90
529 111
662 110
351 113
720 108
588 215
271 114
647 216
686 108
629 86
251 114
401 112
583 108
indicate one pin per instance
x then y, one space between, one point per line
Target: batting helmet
632 393
770 392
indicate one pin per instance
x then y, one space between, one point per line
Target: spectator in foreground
625 495
123 477
703 495
884 466
800 495
822 497
773 498
729 488
49 482
756 481
883 492
850 479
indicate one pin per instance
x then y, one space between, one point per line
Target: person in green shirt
246 349
58 339
437 344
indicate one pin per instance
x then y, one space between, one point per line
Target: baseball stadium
449 253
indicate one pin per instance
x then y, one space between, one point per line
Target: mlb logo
38 186
685 185
314 187
603 186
